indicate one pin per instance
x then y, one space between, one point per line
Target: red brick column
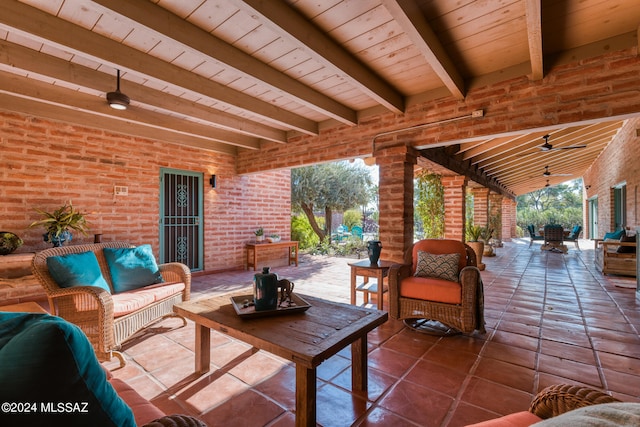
454 206
480 206
495 211
508 219
396 166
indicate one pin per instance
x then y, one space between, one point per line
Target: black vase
373 249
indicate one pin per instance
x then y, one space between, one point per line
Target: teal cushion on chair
77 270
132 268
616 235
46 361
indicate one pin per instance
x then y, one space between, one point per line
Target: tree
559 204
329 187
429 204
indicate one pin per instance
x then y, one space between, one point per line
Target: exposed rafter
171 26
446 157
70 37
533 13
410 17
285 19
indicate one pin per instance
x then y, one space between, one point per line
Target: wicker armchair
92 308
463 311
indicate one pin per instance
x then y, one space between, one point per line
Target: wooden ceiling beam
443 157
533 15
410 17
72 38
58 69
35 108
285 20
171 26
23 87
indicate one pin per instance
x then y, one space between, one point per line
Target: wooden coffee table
308 339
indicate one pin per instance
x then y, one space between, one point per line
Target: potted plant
259 234
59 223
9 242
473 240
485 236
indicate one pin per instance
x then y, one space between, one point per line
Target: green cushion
77 270
443 266
45 361
132 268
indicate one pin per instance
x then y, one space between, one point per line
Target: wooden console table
255 247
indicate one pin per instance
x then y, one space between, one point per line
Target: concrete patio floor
551 318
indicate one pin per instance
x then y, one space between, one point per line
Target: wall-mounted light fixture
118 100
213 181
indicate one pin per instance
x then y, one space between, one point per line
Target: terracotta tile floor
551 318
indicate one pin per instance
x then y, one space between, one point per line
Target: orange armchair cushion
431 289
518 419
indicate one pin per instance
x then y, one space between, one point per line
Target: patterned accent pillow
438 266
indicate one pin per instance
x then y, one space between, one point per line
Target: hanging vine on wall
430 204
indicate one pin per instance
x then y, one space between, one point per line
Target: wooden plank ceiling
227 75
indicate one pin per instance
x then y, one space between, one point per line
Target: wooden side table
366 269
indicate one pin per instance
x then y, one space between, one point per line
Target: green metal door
181 218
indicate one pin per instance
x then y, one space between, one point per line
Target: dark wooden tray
250 312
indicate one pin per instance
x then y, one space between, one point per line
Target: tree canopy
558 204
329 187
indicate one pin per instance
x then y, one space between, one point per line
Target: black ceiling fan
548 147
547 173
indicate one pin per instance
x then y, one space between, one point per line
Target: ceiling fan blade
571 147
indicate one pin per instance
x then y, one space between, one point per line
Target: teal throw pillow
132 268
77 270
443 266
48 366
616 235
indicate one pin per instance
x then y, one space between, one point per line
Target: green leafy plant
474 232
63 219
9 242
259 232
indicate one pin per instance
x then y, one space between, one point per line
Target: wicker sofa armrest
396 274
560 398
177 272
176 421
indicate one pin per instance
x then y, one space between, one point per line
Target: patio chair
356 231
440 291
532 233
554 238
574 235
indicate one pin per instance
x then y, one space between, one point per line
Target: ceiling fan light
118 100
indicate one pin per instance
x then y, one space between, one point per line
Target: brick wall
617 164
45 163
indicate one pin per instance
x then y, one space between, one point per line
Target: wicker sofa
109 318
561 400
